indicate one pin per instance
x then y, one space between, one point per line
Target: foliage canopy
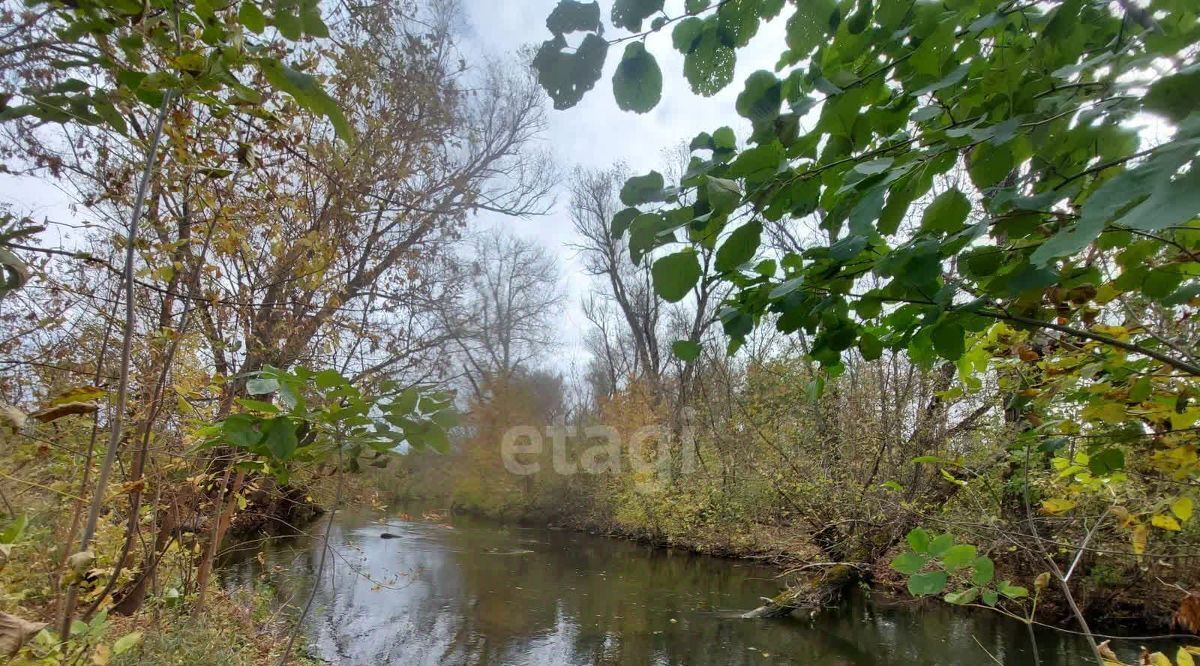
1006 186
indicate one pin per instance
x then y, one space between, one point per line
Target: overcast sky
596 133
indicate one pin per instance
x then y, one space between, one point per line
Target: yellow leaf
1106 411
1124 518
1165 522
1182 508
1184 658
1042 581
1185 420
1106 292
1057 505
1159 659
102 655
1114 331
1140 536
78 394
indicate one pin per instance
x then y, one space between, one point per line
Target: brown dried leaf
1106 652
15 631
1188 615
56 412
15 417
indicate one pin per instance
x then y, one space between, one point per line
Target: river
465 591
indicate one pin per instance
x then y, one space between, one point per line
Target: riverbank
1109 604
453 588
1115 597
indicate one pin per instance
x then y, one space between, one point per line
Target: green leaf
644 235
981 262
918 540
15 530
815 389
127 642
947 212
637 83
629 14
806 28
307 92
955 75
280 437
1162 199
1107 461
990 597
1175 96
1012 591
1140 390
984 571
327 379
686 33
723 194
622 220
737 20
675 274
571 16
261 385
989 164
760 99
708 65
740 247
241 430
759 162
643 189
566 77
1161 282
685 350
959 556
963 597
724 139
940 544
252 17
310 18
948 340
870 347
288 24
925 584
258 405
908 563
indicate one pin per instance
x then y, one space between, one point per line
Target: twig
1062 581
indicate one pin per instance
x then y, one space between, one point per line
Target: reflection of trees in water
475 598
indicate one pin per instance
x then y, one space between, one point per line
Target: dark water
469 592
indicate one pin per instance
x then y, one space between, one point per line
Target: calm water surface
471 592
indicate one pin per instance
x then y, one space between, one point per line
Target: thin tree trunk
118 411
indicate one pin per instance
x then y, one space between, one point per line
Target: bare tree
508 313
592 206
651 325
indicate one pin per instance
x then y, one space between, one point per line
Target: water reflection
478 593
